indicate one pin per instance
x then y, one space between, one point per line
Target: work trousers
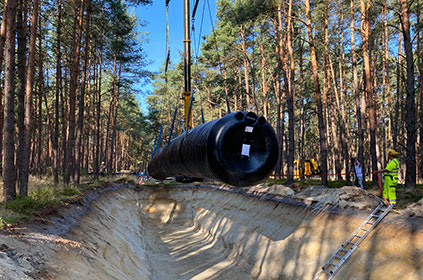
389 190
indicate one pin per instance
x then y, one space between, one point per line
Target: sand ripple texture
210 233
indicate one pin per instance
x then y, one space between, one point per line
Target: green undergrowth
23 207
45 195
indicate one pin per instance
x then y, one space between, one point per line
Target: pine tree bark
345 135
56 154
98 104
365 35
420 83
410 176
302 113
283 68
279 122
290 95
21 85
318 96
3 33
9 179
329 78
91 102
387 76
79 132
245 62
114 123
98 141
398 99
357 98
264 86
74 78
2 42
41 89
107 144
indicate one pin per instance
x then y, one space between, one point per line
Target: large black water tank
240 149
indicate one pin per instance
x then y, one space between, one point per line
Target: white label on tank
245 150
249 129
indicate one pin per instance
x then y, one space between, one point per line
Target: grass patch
25 205
43 194
70 191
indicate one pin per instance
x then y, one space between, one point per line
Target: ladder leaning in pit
336 261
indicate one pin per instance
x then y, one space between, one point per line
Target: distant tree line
67 90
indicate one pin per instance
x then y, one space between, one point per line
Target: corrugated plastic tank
239 149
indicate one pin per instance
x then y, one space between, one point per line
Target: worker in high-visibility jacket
391 178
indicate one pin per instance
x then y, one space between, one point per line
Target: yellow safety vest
392 167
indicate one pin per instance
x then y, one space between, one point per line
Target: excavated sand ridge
207 233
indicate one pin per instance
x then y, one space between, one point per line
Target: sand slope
208 232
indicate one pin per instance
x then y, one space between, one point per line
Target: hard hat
102 162
392 153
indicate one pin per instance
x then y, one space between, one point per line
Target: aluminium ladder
336 261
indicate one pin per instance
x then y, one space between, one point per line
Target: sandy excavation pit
210 233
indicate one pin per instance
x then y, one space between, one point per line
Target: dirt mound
321 196
277 190
344 197
415 209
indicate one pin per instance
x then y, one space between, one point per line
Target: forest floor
49 242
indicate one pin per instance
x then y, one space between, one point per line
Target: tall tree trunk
322 126
283 66
21 65
48 127
2 42
387 75
40 100
329 93
74 77
245 62
290 95
344 127
64 108
91 102
365 35
56 154
264 86
280 125
356 90
9 180
410 177
78 140
279 109
114 124
398 93
3 33
420 83
107 145
98 104
302 113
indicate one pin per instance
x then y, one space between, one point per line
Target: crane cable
197 44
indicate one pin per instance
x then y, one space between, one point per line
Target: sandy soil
210 232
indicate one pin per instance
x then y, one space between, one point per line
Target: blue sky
154 17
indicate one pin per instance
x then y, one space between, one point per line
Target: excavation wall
209 233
